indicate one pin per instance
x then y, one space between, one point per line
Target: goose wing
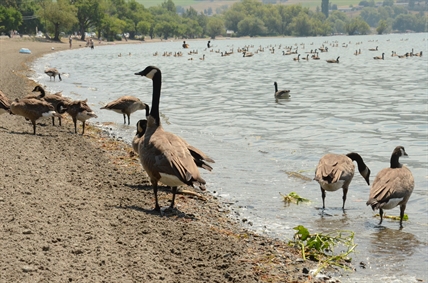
166 153
390 183
333 167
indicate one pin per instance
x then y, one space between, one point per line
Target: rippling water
225 106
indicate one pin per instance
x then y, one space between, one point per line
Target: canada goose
208 44
373 49
333 61
79 110
418 54
404 56
54 99
307 57
164 156
4 104
315 56
281 93
185 45
52 72
335 171
393 54
296 58
198 156
203 57
126 105
247 54
380 57
392 186
34 109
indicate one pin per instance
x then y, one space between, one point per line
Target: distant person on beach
185 45
70 40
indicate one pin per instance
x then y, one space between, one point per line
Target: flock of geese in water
169 159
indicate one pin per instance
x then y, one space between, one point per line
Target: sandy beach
79 208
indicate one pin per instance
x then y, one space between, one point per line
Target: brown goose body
53 72
164 156
33 109
284 93
126 105
333 61
54 99
380 57
335 171
79 110
392 186
4 103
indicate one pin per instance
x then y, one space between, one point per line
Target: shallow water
225 106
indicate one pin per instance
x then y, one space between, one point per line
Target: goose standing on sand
126 105
79 110
34 109
54 99
380 57
4 103
164 156
198 156
335 171
284 93
52 72
392 186
333 61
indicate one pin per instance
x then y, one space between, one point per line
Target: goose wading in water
335 171
164 156
126 105
392 186
52 72
284 93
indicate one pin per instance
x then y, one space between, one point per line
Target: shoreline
79 208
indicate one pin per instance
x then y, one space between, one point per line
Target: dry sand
78 209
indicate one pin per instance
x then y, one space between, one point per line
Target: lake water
226 107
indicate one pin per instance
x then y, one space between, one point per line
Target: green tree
169 6
61 15
89 14
10 19
404 22
301 25
324 7
215 27
251 26
357 26
136 14
370 15
111 26
382 26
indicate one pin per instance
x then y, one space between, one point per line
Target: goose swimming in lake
164 156
392 186
333 61
284 93
335 171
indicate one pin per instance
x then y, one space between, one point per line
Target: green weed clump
293 198
321 247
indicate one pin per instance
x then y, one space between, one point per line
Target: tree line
110 19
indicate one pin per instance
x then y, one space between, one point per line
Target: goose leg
155 191
323 197
345 192
124 119
83 124
53 121
174 191
129 117
381 215
59 120
34 126
75 124
402 208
